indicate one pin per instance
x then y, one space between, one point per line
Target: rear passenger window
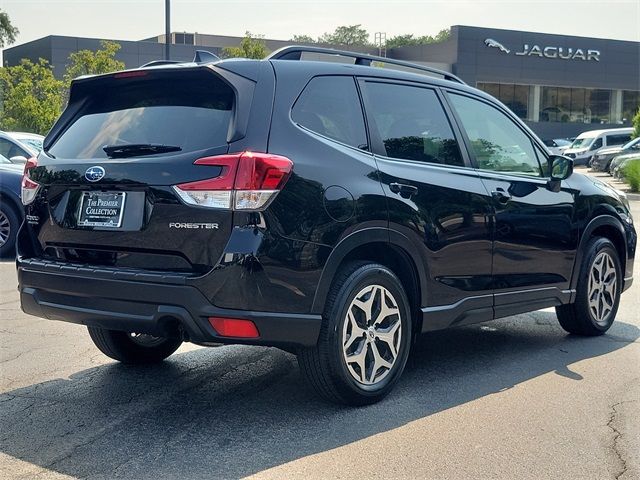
412 124
331 107
619 139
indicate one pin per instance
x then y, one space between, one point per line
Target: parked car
11 212
32 140
15 150
602 160
587 144
620 162
557 145
208 202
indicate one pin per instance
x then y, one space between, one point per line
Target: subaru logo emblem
94 174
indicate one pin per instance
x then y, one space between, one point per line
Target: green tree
251 46
346 35
303 39
88 62
8 32
408 40
636 124
32 97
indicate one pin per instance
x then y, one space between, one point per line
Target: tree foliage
303 39
8 32
636 124
88 62
408 40
32 97
251 46
346 35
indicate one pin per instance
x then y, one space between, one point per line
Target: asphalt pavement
513 398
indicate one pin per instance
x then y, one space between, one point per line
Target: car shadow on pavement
232 411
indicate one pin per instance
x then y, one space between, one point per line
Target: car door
435 198
534 237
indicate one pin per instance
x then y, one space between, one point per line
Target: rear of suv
333 210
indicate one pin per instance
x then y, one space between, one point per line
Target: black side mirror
561 168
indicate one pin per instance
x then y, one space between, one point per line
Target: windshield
583 142
35 143
191 112
635 141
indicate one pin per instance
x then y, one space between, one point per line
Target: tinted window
412 124
331 107
496 141
192 113
619 139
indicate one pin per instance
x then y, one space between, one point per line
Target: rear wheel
9 223
133 348
365 337
598 291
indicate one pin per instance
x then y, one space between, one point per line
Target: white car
20 146
557 145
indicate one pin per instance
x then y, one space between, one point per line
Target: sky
135 20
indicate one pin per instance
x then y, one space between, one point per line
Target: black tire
121 346
578 318
325 366
10 219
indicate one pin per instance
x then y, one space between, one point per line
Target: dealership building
560 85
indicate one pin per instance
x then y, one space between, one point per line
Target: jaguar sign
562 53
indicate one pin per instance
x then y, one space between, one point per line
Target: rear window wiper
136 149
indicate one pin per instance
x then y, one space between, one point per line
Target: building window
630 105
516 97
576 105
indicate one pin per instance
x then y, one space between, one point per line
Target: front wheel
365 337
598 291
133 348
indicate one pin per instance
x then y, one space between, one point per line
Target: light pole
167 29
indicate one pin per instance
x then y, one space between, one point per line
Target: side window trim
467 143
376 143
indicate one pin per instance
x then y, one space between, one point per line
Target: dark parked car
11 211
333 210
601 161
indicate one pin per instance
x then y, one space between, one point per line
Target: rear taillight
248 181
29 187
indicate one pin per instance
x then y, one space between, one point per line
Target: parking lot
515 398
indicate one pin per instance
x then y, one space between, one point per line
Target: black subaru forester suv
334 210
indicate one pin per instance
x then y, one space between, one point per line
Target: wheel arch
387 247
13 200
605 226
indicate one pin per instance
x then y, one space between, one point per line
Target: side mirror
18 159
561 168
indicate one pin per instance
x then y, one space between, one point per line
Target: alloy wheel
5 228
372 335
602 287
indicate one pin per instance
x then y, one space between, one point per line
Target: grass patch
631 174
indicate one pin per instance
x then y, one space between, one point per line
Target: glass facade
630 104
566 105
516 97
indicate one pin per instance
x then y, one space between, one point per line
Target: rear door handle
500 195
405 191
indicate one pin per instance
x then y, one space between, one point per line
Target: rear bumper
166 307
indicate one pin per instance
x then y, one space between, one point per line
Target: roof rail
295 52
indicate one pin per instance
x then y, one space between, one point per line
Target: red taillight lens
248 181
29 188
234 327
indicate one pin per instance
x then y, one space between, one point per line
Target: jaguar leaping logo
490 42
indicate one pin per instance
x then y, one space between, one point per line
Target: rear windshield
191 111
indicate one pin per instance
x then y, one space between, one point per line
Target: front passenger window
498 144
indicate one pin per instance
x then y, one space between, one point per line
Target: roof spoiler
201 57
